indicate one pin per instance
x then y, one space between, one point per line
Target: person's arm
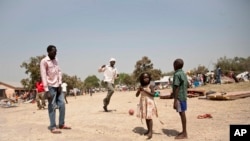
60 76
43 66
117 74
175 94
138 91
60 80
102 68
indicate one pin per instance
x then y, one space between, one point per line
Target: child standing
180 85
147 107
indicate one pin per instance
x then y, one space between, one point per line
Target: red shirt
39 87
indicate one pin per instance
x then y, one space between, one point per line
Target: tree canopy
145 65
32 69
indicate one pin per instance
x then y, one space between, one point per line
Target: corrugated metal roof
13 84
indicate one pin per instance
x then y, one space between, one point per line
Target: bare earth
89 123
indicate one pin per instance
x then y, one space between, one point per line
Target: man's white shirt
110 73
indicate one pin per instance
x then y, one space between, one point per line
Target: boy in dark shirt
180 85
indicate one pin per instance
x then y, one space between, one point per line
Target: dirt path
90 123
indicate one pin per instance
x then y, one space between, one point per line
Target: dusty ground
90 123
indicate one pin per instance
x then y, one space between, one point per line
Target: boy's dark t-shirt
180 80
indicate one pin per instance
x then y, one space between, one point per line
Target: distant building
7 90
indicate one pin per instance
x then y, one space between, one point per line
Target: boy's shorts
181 106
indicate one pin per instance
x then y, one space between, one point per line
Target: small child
147 107
180 85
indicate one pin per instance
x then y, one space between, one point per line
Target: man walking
110 74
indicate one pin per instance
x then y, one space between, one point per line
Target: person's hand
175 104
103 66
47 95
141 88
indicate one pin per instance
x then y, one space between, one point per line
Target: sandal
204 116
208 116
64 127
55 131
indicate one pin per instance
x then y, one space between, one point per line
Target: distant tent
163 79
243 74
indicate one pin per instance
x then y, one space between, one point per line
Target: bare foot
149 136
181 136
146 133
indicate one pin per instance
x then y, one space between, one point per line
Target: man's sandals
56 131
64 127
204 116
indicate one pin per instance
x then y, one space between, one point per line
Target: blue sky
88 33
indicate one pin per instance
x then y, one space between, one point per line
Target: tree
125 79
91 81
32 70
156 74
199 70
236 64
72 81
145 65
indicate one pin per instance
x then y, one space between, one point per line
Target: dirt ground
90 123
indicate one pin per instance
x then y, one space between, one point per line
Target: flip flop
208 116
55 131
64 127
204 116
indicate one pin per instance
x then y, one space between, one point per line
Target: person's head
145 78
112 61
51 49
178 64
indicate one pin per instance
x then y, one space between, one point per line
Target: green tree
236 64
91 81
32 70
199 70
72 82
125 79
145 65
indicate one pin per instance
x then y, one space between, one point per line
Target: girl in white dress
147 107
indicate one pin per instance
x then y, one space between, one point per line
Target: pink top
50 72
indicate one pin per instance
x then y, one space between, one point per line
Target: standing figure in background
218 75
40 94
75 90
64 90
110 74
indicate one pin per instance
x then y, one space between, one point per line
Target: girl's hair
143 83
